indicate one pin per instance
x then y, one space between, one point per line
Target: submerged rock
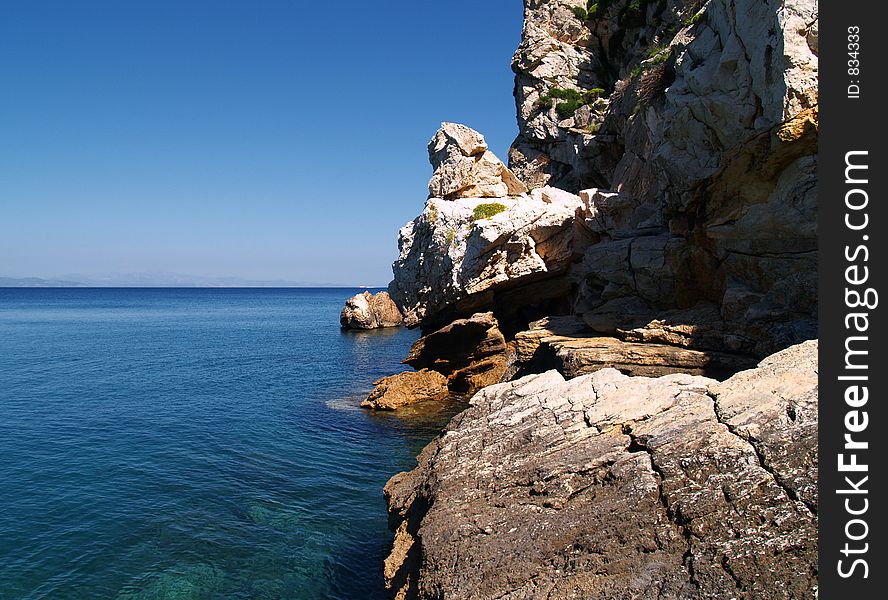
465 168
369 311
406 388
608 486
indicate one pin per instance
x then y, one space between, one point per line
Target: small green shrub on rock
487 210
571 99
566 110
595 8
695 18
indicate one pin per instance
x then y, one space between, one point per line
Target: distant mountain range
37 282
155 280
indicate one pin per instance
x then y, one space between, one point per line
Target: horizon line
191 287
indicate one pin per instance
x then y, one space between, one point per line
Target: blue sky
258 139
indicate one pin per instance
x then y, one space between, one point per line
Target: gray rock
608 486
700 177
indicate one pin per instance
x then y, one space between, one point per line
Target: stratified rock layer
369 311
566 344
471 352
608 486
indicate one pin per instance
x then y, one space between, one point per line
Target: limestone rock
751 253
727 70
369 311
471 352
452 263
697 163
774 408
554 54
465 168
608 486
406 388
566 344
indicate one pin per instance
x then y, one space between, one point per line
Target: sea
196 443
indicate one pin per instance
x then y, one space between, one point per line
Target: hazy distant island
163 280
24 282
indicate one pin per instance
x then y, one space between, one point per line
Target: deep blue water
194 443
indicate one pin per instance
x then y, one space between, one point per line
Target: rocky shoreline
628 306
610 486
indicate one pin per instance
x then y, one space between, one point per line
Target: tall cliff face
601 86
695 123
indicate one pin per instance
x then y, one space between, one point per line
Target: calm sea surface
194 443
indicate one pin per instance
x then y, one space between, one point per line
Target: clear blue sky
260 139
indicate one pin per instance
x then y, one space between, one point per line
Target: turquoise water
194 443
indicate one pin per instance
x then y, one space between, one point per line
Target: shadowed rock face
608 486
702 158
681 82
368 311
471 352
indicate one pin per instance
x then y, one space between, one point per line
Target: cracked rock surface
452 261
608 486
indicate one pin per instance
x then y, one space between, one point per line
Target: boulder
608 486
471 352
406 388
465 168
369 311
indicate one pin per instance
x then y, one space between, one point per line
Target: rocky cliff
702 149
653 234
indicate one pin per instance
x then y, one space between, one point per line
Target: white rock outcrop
608 486
465 168
451 258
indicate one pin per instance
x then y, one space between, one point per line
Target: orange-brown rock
406 388
566 344
471 352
